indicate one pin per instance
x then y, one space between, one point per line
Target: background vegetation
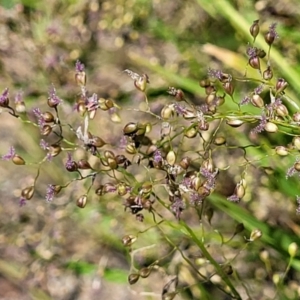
55 250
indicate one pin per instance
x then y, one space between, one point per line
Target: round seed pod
220 100
81 201
171 158
255 234
297 166
191 133
281 150
145 272
268 74
269 37
112 163
109 154
72 166
46 130
130 148
240 190
234 122
141 130
57 189
210 89
130 128
271 127
128 240
167 112
81 108
97 141
207 164
257 101
54 150
293 249
204 83
122 189
254 62
80 78
219 140
48 117
281 85
296 142
20 107
28 192
120 159
133 278
185 163
228 88
18 160
146 187
296 117
203 125
141 82
210 98
282 111
83 164
254 29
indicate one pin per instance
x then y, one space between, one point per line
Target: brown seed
54 150
128 240
28 192
254 62
185 163
18 160
81 201
254 29
97 141
269 38
133 278
48 117
130 128
281 85
297 166
83 164
268 73
145 272
46 130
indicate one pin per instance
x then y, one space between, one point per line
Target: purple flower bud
22 201
79 67
4 100
53 99
71 165
50 193
11 153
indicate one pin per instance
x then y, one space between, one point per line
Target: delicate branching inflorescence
175 178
